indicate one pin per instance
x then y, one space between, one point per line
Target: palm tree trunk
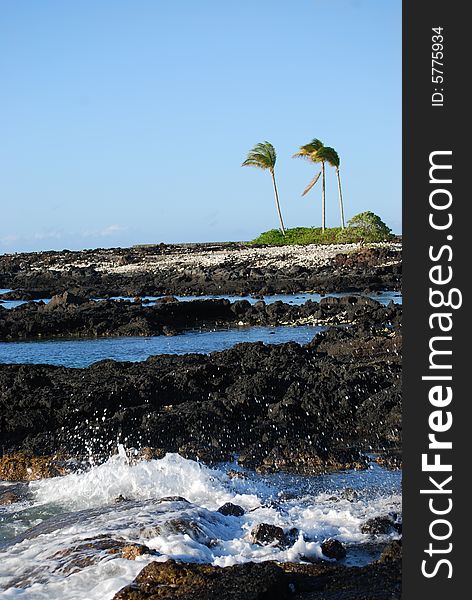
277 204
341 206
323 197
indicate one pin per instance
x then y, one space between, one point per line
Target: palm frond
316 144
311 184
262 156
329 155
253 162
310 151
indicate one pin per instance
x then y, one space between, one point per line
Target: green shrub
369 227
365 227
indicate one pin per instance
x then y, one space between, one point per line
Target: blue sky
126 121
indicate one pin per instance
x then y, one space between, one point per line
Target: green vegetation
370 226
314 153
317 152
263 156
332 158
365 227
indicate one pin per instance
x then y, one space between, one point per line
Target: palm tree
314 153
332 158
263 156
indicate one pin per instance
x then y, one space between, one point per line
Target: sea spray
170 506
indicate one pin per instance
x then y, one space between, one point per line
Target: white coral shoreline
275 257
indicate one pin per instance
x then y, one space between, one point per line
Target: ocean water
83 352
46 549
384 297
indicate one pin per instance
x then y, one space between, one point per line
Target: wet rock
350 495
132 551
390 460
287 496
169 331
148 453
265 581
24 467
391 552
333 549
292 535
166 300
265 534
231 510
65 299
173 499
208 454
24 295
179 525
309 461
379 526
181 581
73 559
331 581
233 474
70 315
278 407
9 498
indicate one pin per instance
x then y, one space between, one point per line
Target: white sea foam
85 508
170 476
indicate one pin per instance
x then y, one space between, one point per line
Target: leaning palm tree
263 156
314 153
332 158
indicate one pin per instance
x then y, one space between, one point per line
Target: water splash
75 516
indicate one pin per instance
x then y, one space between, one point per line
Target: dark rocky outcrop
391 552
196 269
265 581
26 467
9 497
381 525
69 315
277 406
265 534
231 510
333 549
184 581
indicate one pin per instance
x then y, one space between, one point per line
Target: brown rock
65 299
265 534
265 581
22 467
391 552
148 453
391 461
75 558
9 498
131 551
179 525
179 581
333 549
300 460
233 474
379 526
